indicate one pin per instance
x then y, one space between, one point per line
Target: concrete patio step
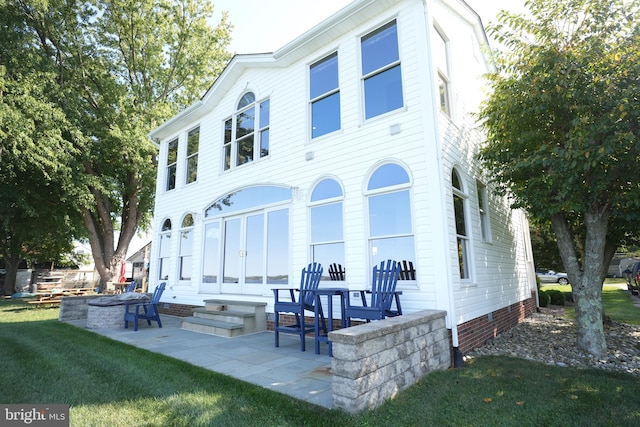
227 318
212 327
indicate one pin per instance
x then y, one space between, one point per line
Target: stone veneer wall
106 317
74 308
374 361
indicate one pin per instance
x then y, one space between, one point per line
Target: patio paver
252 358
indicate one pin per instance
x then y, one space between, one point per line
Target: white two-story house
352 144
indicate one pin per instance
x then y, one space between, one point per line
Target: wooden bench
78 291
52 299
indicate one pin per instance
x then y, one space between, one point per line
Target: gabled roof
343 21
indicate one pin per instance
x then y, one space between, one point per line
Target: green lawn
108 383
617 302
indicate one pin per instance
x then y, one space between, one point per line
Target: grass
617 302
109 383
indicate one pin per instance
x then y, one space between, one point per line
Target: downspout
451 311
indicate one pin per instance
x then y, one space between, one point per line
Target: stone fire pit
108 312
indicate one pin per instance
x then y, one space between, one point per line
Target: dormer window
246 133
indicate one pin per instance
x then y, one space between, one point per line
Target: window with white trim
246 133
165 250
193 141
381 71
246 242
390 220
440 51
483 212
327 238
324 96
172 164
462 235
186 247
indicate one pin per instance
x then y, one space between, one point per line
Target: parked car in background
550 276
632 274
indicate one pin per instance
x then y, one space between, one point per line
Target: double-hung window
483 211
441 59
246 133
193 141
324 96
381 71
186 247
462 236
165 250
172 164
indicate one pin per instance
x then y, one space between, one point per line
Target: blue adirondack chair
130 287
144 310
383 294
309 280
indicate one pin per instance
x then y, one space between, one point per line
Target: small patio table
329 293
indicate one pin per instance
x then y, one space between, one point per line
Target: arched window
186 247
246 133
246 240
462 235
390 221
165 250
327 239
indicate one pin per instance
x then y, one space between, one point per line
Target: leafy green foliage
114 70
544 298
545 246
556 297
563 125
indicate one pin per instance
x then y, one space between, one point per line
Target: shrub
543 298
568 296
556 296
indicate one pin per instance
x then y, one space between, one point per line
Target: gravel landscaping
549 337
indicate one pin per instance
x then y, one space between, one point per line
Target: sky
266 25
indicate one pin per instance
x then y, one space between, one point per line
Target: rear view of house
352 144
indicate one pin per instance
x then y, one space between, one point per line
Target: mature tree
37 216
563 134
123 67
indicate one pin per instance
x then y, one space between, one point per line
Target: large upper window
172 163
381 71
324 96
246 133
462 236
440 56
165 250
193 141
186 247
327 241
390 222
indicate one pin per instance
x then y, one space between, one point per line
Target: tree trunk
586 275
106 255
11 263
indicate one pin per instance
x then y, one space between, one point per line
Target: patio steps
227 318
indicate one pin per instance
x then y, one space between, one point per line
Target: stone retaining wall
105 317
374 361
74 308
